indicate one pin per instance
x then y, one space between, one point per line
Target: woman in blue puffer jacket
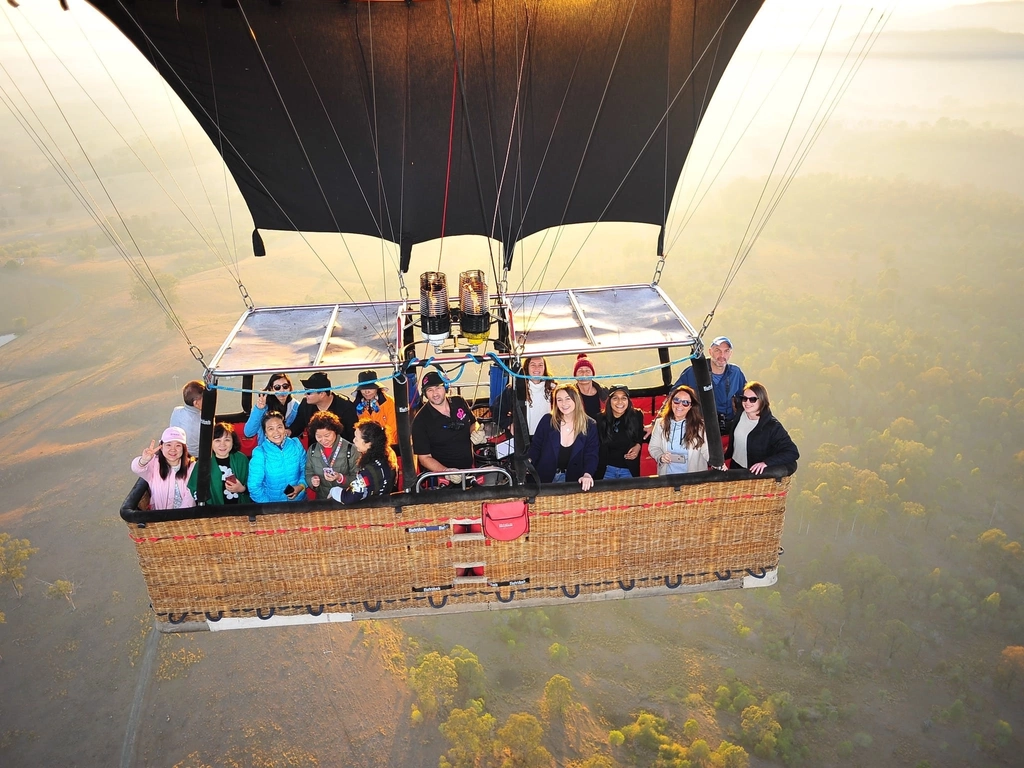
278 465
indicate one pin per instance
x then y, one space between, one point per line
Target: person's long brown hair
549 385
694 434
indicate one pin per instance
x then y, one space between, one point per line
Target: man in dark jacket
325 400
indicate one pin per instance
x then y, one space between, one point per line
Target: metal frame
511 308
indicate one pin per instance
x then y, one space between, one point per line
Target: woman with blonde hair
566 447
678 441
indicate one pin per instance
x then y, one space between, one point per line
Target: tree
822 606
895 636
647 732
14 553
61 588
470 732
700 754
518 743
470 673
558 697
1011 666
690 730
558 652
435 681
1002 732
598 761
761 730
913 511
142 291
730 756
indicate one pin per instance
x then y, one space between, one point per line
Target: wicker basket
401 557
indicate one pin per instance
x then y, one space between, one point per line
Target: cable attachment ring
658 269
246 299
197 353
707 322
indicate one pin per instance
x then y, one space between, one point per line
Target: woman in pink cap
167 467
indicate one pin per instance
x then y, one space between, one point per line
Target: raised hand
149 453
261 401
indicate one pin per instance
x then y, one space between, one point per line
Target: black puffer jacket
768 441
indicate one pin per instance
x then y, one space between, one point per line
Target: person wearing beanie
593 394
166 468
727 380
444 429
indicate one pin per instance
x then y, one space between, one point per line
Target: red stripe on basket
443 520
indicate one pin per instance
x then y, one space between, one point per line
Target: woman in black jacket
621 430
757 438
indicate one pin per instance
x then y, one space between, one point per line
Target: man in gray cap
727 380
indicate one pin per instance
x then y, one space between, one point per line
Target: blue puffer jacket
271 469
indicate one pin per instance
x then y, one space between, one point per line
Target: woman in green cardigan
229 472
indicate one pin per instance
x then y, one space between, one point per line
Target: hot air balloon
411 121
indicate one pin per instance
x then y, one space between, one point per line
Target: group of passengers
349 457
592 432
580 431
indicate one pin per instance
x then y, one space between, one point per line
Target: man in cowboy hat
323 400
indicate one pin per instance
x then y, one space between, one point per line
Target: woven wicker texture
351 559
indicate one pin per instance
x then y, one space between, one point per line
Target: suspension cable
636 160
241 158
204 235
803 148
380 326
692 206
451 137
166 304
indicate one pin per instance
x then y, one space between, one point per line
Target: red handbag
506 520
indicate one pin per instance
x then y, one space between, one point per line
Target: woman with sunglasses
678 442
757 439
279 399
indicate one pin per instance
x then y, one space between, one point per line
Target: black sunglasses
677 401
746 399
279 387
